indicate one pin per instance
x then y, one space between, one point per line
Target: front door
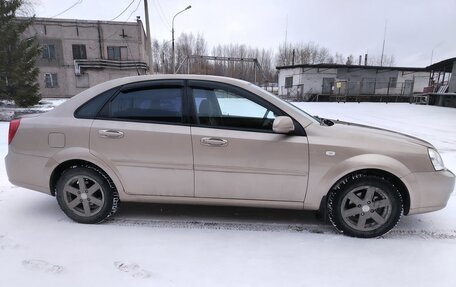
408 87
141 134
236 153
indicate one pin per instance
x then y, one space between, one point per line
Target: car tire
364 206
86 194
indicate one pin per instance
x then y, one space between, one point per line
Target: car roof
132 79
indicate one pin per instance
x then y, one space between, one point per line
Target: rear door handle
110 134
213 141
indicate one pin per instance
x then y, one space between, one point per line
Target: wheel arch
396 181
70 163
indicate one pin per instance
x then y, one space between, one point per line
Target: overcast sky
414 27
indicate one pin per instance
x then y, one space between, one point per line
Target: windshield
312 118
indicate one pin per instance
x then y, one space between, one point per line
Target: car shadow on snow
218 217
233 218
256 219
215 213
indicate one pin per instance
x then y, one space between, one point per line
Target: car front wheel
364 206
86 195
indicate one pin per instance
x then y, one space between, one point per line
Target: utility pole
383 48
285 44
149 38
432 52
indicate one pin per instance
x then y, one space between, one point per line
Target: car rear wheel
86 195
364 206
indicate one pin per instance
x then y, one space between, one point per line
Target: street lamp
172 31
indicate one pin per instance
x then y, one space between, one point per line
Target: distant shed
302 81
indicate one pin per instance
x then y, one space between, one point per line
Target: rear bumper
28 171
429 191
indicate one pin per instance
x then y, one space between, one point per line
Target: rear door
236 153
141 133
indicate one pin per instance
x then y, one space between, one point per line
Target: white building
300 81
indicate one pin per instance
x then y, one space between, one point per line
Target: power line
126 21
163 13
76 3
162 16
123 11
137 6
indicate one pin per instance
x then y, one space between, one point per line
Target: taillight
14 125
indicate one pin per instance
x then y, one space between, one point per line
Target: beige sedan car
190 139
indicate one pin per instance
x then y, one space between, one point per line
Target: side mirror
283 125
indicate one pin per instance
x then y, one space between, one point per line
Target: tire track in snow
42 265
396 233
423 234
132 269
7 244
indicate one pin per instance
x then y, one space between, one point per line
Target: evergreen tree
18 55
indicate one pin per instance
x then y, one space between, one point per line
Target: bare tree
308 53
287 54
162 55
27 8
339 59
375 60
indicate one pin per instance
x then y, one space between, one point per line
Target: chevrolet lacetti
191 139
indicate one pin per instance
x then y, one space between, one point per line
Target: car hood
382 133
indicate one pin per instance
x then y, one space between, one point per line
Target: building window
392 82
50 80
79 52
289 82
114 53
48 52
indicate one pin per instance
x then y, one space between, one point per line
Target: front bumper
429 191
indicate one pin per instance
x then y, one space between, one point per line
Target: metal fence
271 87
352 91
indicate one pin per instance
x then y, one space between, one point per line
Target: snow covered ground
160 245
9 111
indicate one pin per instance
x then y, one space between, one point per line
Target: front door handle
110 134
213 141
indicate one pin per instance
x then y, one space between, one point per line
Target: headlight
436 160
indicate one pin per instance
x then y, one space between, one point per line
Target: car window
156 105
90 109
296 108
221 108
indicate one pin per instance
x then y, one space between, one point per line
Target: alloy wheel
83 195
366 208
